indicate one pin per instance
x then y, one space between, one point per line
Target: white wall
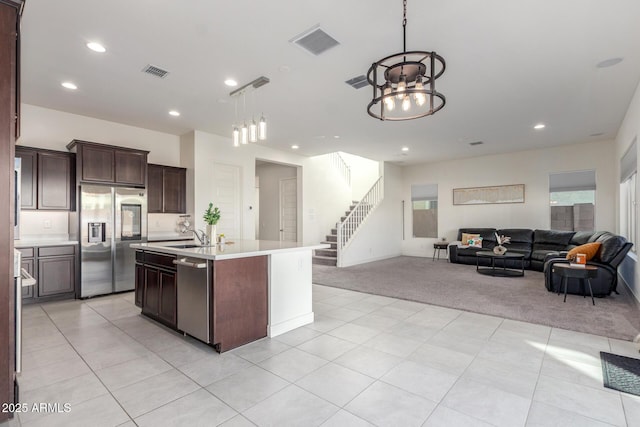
269 176
380 236
200 150
629 130
530 168
325 198
364 173
53 129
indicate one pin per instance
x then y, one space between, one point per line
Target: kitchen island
226 295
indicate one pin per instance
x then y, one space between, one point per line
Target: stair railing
347 228
341 166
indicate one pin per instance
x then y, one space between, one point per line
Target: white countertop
232 249
28 243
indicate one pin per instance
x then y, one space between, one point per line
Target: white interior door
289 210
227 197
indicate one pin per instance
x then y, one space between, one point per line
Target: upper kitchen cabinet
109 164
131 167
166 189
54 181
47 179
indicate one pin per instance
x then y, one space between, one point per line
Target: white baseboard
290 324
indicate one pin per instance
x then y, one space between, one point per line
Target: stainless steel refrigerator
111 218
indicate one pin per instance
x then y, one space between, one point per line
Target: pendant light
244 134
410 78
262 128
254 132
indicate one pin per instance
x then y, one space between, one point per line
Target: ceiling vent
358 82
476 143
155 71
315 41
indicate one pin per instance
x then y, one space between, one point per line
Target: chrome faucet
202 237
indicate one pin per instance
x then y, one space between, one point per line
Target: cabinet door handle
185 263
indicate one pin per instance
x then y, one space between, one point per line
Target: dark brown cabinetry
97 164
28 177
10 11
47 179
166 188
108 164
53 267
156 286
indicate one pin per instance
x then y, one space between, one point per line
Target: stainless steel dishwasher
194 279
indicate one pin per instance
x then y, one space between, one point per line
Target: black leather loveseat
543 248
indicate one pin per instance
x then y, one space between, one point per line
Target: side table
567 271
439 246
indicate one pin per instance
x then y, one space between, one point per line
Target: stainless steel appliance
193 297
111 218
16 197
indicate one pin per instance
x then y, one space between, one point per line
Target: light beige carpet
459 286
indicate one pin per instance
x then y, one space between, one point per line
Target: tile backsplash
44 225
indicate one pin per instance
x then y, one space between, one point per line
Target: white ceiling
510 65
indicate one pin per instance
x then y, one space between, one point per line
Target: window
628 181
628 208
424 205
572 196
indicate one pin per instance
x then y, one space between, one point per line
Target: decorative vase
211 233
499 250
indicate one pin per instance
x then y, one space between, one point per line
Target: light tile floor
366 360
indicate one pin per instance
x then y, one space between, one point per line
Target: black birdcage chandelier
408 79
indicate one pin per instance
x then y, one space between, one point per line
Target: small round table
567 271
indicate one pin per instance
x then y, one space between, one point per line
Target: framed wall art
489 195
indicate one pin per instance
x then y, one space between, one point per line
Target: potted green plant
211 217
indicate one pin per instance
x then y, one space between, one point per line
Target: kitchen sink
188 246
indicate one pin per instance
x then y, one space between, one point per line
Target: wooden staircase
330 256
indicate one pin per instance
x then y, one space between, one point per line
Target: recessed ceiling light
295 147
336 136
609 62
539 126
174 113
405 148
597 134
69 85
231 83
96 47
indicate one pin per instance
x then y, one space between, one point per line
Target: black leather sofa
543 248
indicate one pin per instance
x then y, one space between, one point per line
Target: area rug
459 286
621 373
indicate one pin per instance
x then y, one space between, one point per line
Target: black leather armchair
612 252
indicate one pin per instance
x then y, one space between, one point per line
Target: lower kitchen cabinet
156 286
54 268
168 298
56 275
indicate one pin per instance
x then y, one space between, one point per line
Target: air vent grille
315 41
155 71
358 82
476 143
